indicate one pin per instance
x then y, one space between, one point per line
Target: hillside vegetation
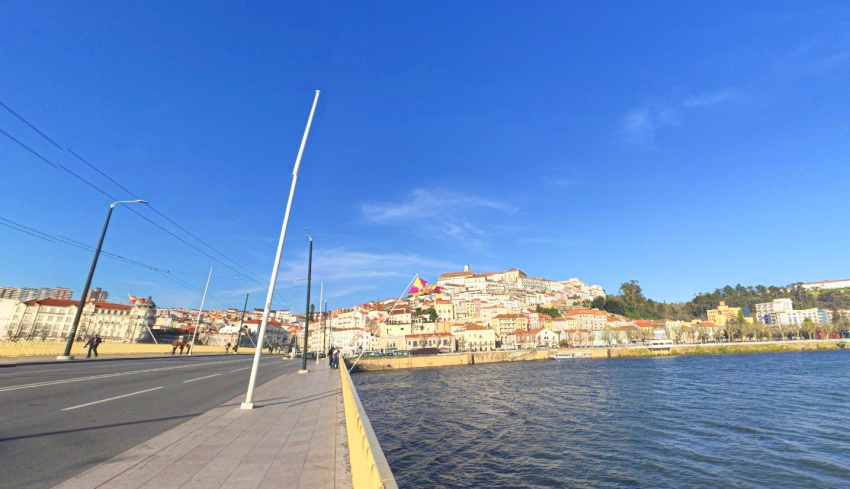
630 301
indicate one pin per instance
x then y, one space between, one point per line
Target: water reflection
772 420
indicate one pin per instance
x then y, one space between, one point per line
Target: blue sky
687 145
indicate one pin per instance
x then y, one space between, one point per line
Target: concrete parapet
369 467
427 361
17 349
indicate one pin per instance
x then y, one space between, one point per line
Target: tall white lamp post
249 404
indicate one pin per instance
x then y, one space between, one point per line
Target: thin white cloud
640 125
346 272
562 182
423 203
459 217
704 99
342 264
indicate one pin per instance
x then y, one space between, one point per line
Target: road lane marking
111 399
238 369
260 365
104 376
199 378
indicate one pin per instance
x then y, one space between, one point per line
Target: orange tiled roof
52 302
594 312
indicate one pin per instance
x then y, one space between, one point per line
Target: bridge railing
38 348
369 468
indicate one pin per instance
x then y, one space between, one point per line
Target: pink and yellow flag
135 300
420 287
378 316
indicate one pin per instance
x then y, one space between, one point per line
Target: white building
781 312
827 284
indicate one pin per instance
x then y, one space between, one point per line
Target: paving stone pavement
294 437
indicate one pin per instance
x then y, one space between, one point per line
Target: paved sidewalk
294 437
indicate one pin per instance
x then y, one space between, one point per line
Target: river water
759 420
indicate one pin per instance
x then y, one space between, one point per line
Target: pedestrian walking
188 348
175 345
181 347
336 358
93 343
227 348
331 357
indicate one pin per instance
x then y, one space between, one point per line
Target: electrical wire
68 241
95 187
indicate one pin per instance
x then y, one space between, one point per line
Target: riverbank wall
432 361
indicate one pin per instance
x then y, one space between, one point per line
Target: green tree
809 327
551 311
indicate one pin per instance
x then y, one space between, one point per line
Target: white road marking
110 399
199 378
246 368
103 376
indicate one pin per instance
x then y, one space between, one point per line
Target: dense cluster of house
465 311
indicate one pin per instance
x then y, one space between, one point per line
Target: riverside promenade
294 437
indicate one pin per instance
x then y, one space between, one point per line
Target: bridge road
58 420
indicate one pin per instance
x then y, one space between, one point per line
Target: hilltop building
781 312
723 314
25 294
827 284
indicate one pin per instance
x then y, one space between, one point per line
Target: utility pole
66 354
319 329
241 318
198 322
307 318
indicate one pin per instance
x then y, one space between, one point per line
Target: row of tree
631 302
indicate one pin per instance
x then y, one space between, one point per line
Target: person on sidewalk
336 358
93 343
188 348
227 348
331 357
175 345
181 346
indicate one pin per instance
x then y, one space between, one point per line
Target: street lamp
307 321
66 355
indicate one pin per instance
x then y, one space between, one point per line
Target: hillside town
463 311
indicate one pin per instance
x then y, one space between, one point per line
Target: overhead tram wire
112 197
30 125
58 146
169 274
164 216
57 165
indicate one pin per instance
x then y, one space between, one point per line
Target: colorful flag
378 316
134 300
420 287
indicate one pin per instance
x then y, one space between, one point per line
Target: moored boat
570 355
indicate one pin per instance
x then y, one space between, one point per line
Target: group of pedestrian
333 357
179 344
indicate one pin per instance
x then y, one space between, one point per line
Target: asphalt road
58 420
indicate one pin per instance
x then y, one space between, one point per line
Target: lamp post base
303 371
247 405
65 358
